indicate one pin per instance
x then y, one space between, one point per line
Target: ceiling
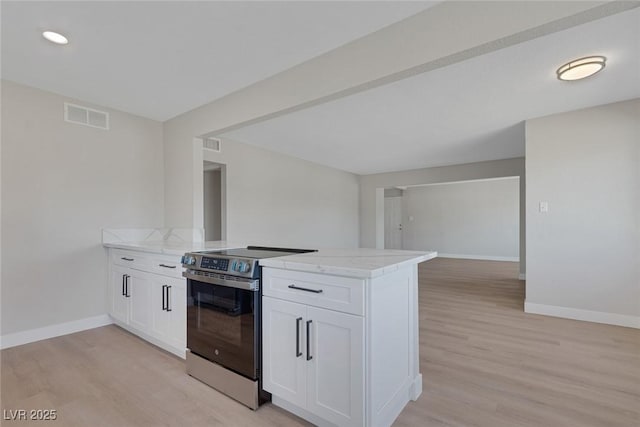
467 112
158 59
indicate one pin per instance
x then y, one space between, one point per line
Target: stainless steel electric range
224 328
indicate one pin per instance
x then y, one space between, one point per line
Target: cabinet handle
166 266
168 301
126 281
126 259
309 356
164 302
124 293
298 352
315 291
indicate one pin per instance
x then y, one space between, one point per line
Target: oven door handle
249 285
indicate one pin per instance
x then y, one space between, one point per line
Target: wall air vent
213 144
86 116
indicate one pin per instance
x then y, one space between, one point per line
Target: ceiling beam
445 34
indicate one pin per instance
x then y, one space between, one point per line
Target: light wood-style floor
484 363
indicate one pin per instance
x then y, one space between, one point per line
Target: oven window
221 325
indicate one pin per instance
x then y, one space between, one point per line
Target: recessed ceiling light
581 68
54 37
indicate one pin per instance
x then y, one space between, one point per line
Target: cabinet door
119 303
160 318
283 350
140 287
336 371
177 306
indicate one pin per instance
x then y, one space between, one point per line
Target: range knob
245 267
240 266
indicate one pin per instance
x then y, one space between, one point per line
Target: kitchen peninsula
339 326
340 334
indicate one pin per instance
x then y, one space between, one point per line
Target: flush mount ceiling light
581 68
54 37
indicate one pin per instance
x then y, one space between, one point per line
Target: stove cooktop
238 262
256 252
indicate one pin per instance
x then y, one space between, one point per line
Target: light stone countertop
172 247
360 263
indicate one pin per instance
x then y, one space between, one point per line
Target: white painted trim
585 315
464 181
522 276
380 218
480 257
32 335
416 388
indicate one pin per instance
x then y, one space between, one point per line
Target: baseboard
480 257
522 276
33 335
585 315
416 388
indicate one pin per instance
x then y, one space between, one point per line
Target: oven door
223 324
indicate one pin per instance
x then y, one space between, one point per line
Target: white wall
583 256
271 198
371 191
477 219
61 183
408 51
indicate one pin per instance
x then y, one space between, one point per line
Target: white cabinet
341 351
130 296
168 310
139 289
148 297
336 370
313 358
119 301
283 359
130 293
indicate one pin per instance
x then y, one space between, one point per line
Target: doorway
393 222
213 200
472 219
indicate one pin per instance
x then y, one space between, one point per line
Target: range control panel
214 264
234 266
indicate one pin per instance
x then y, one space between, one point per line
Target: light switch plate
544 207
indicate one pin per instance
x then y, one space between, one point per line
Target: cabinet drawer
319 290
167 265
131 259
